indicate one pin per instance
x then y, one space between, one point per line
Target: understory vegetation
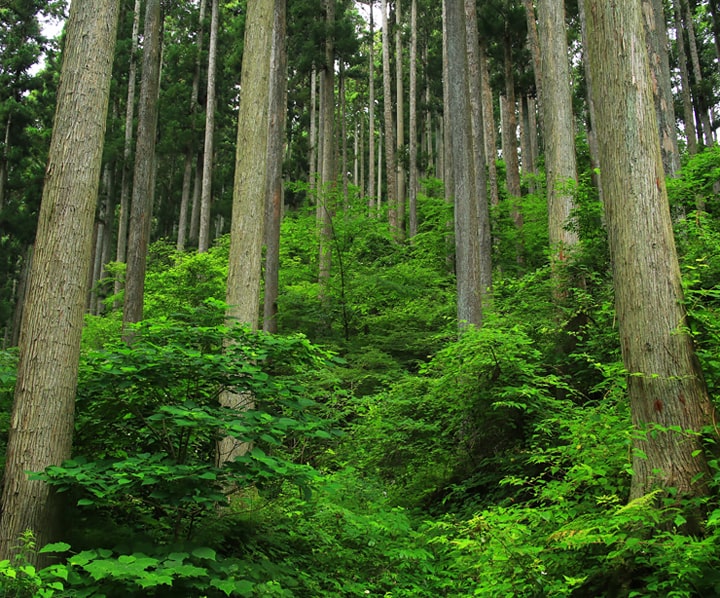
388 454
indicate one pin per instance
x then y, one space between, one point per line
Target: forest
394 298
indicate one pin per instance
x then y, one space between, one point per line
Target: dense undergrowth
390 455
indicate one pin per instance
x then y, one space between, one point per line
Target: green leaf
56 547
204 552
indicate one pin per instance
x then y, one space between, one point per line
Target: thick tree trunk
665 383
143 178
249 192
209 153
560 164
276 142
42 419
467 251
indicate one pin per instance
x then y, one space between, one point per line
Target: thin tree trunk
477 141
668 398
390 154
371 117
191 153
209 152
276 141
700 99
313 150
691 137
143 178
535 52
412 125
400 125
657 43
126 182
42 419
490 133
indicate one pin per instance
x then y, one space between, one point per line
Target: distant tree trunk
191 152
390 154
371 117
143 178
490 133
327 170
126 182
343 134
21 294
700 100
249 192
276 142
535 52
560 163
657 42
665 383
446 153
42 418
467 252
510 142
209 153
400 126
691 138
477 140
197 188
413 126
313 150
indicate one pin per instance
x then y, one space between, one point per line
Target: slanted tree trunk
42 419
208 154
249 193
143 178
665 382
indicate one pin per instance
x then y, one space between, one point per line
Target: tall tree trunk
510 143
191 152
400 125
371 117
249 192
126 181
446 156
42 418
490 133
413 126
389 143
327 170
209 153
701 104
459 121
665 383
535 52
276 142
313 150
657 42
343 134
477 141
691 138
560 163
143 178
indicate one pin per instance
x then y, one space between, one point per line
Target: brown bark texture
665 383
43 412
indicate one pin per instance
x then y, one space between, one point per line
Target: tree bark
413 126
657 42
209 153
560 162
143 178
249 192
700 99
490 134
467 251
400 126
276 142
42 419
371 117
691 138
389 143
665 383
